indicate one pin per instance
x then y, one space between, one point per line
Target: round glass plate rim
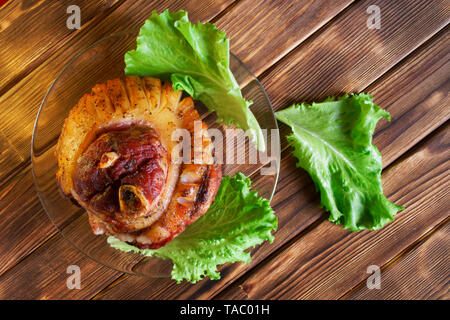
33 136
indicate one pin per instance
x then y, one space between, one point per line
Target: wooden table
301 51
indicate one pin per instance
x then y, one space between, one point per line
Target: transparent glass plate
102 61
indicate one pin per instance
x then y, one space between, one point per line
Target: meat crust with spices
116 159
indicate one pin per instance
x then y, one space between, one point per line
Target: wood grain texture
24 222
421 273
30 31
329 260
9 157
346 56
421 101
416 94
295 201
41 276
262 31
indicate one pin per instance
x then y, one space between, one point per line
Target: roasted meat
119 158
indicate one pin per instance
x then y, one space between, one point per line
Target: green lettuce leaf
237 220
332 141
195 57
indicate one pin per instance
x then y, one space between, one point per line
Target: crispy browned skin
115 159
194 192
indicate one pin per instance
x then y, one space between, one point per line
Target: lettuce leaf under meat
237 220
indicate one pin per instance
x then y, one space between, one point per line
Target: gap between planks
55 48
420 241
285 145
21 168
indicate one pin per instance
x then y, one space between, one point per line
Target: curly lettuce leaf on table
237 220
195 57
332 141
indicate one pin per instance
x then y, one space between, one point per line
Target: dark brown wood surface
417 274
300 51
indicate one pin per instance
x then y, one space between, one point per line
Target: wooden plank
421 273
294 191
21 230
9 157
262 32
328 261
416 96
296 202
40 276
31 31
347 56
